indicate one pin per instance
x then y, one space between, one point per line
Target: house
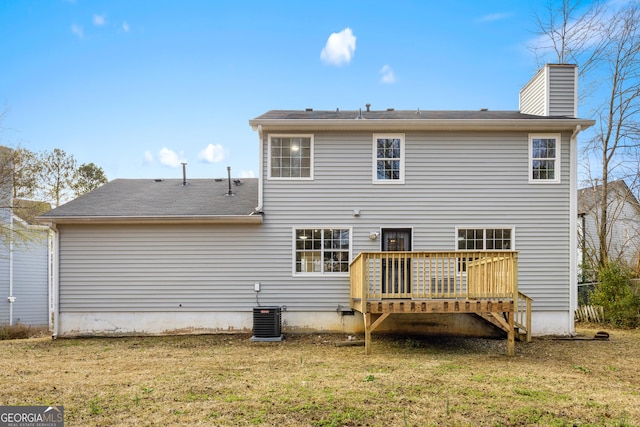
437 221
623 228
24 262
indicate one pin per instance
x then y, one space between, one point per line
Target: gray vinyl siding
551 92
4 284
31 281
5 215
123 268
451 179
623 232
533 97
562 91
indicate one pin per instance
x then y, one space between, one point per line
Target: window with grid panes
290 157
544 158
481 239
322 251
389 158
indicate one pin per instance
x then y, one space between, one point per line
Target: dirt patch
307 380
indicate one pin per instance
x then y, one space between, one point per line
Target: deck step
490 317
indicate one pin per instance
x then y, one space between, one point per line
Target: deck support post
511 334
367 333
369 327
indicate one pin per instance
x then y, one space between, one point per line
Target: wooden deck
462 282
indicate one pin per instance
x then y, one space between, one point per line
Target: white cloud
213 153
246 174
387 75
77 30
170 158
492 17
99 20
148 157
125 27
339 48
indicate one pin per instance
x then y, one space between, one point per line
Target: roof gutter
546 124
178 219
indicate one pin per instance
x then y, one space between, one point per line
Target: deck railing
434 275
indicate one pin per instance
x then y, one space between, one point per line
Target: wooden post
528 314
364 279
511 335
367 332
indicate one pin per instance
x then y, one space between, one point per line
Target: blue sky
139 86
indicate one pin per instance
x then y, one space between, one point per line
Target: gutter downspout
11 298
55 288
260 169
573 228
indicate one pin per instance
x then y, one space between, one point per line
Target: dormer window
291 156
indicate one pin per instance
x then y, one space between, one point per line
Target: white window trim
311 163
558 158
294 273
484 240
484 236
375 179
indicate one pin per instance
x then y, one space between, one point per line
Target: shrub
20 331
616 294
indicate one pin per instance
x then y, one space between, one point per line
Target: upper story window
544 158
322 250
291 156
388 159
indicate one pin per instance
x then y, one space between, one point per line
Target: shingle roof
412 120
154 200
398 115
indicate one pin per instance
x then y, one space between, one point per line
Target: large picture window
322 251
388 158
291 156
544 158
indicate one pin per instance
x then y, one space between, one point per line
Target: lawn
307 380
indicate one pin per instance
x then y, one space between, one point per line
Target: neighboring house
623 227
24 266
354 213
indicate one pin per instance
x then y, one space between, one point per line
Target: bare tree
616 141
27 169
14 211
569 33
605 44
623 233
